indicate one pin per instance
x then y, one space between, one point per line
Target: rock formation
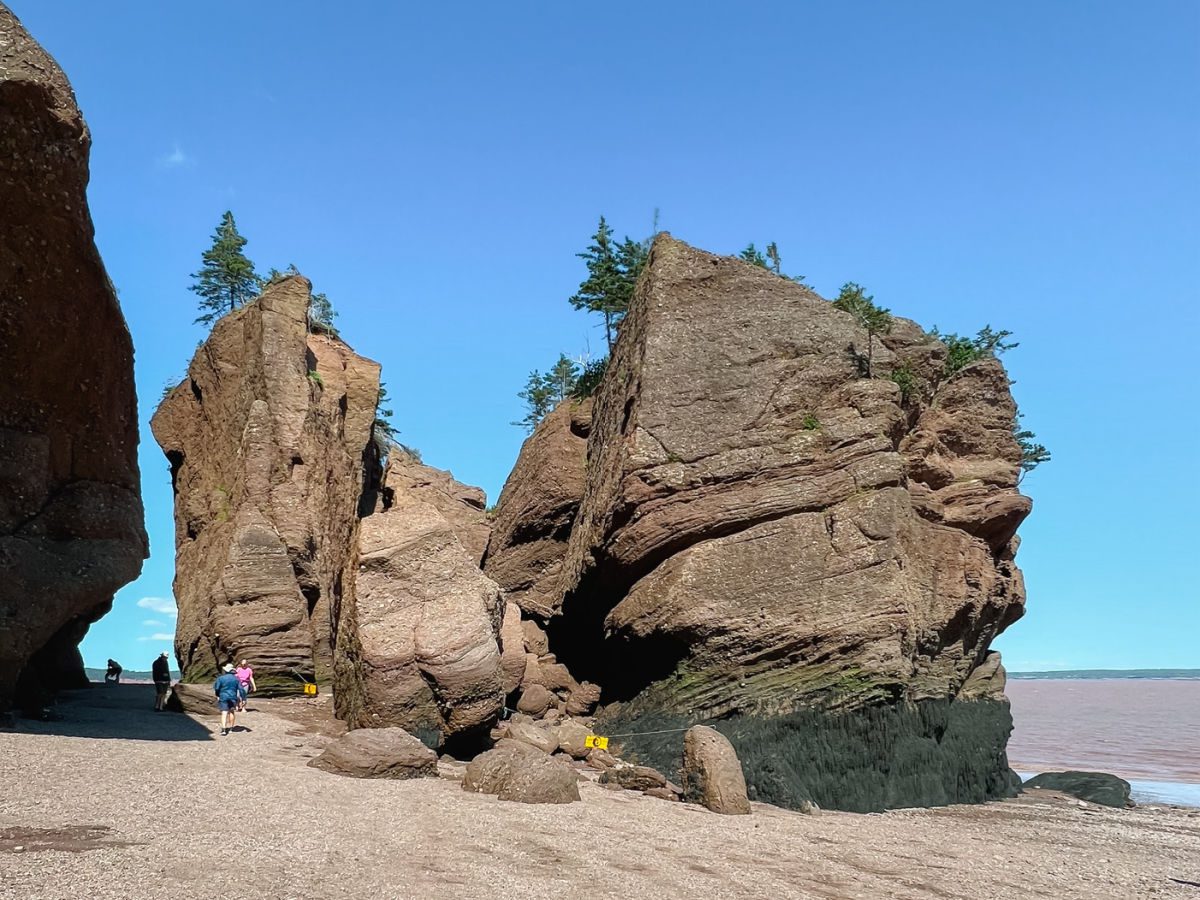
711 773
266 438
523 774
766 537
70 504
378 753
537 508
417 631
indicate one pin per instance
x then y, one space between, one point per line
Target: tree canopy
543 392
226 279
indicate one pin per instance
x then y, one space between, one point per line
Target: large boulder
765 533
266 438
537 507
523 774
70 505
711 774
417 633
1094 787
378 753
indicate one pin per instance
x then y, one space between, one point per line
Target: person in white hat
228 689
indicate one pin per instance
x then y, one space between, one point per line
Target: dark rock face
267 438
70 505
1094 787
766 534
378 753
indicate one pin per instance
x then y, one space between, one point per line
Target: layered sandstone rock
764 532
463 506
537 508
70 505
266 438
417 633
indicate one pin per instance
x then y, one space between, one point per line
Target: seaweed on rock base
928 753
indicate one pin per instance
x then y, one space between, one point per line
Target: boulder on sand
712 775
1094 787
523 774
378 753
194 699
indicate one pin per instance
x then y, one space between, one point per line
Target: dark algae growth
929 753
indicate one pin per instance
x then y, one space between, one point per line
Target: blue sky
435 168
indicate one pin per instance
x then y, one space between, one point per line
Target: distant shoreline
1098 674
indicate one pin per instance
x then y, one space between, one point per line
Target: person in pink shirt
245 677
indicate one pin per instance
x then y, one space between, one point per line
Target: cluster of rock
739 529
70 501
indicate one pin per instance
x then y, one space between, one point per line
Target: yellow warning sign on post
596 742
310 689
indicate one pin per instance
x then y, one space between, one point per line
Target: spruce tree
873 319
226 279
753 256
321 314
613 270
539 400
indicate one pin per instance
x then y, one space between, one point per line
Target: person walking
227 688
245 677
161 671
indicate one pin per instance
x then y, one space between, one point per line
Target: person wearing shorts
245 677
227 688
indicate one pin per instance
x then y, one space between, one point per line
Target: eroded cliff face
70 505
417 634
267 438
765 537
537 508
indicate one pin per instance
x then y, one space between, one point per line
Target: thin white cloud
160 605
158 636
175 159
153 623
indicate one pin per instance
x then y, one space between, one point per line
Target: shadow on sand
115 711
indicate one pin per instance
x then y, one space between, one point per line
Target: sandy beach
115 801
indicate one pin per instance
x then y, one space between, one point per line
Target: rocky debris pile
520 772
70 504
766 536
378 753
269 440
417 633
1094 787
711 774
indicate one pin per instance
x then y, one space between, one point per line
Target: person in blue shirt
227 688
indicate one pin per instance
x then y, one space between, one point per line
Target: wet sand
116 801
1139 729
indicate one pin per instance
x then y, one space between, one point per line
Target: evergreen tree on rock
613 271
226 280
873 319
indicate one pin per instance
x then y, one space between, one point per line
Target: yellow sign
310 689
594 740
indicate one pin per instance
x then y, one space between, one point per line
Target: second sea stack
810 560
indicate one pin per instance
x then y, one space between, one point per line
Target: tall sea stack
814 561
70 501
269 441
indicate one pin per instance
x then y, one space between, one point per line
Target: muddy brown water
1135 728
